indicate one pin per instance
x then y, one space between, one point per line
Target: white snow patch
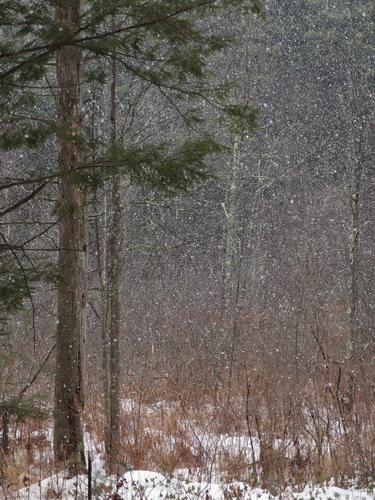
137 485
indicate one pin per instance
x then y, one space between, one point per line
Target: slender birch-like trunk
231 261
354 173
71 327
102 265
231 229
354 186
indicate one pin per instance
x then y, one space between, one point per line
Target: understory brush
220 431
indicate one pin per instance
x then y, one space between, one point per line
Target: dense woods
186 242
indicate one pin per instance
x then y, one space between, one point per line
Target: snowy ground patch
142 485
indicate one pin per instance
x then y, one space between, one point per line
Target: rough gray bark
71 328
113 437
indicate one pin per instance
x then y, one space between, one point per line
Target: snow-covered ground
206 483
137 485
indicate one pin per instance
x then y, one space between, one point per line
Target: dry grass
304 436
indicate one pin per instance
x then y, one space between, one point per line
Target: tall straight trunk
352 87
354 169
113 443
71 327
354 188
102 266
354 346
231 231
114 333
101 258
231 262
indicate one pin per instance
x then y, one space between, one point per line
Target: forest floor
174 453
141 485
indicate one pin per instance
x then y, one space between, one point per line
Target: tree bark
231 261
231 230
5 433
71 327
113 444
102 264
354 173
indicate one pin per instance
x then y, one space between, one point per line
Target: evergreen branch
48 49
100 36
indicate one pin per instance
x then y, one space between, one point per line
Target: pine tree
167 43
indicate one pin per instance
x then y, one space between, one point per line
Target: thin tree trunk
71 327
231 229
112 447
5 433
102 266
356 140
354 187
114 331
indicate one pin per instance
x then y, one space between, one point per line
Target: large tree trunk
71 327
112 445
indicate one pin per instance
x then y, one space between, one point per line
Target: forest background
221 197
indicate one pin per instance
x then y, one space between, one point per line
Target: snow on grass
142 485
187 483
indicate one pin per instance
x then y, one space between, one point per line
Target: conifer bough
44 49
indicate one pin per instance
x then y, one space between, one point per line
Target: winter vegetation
187 234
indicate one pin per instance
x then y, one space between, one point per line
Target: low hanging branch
36 374
24 200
